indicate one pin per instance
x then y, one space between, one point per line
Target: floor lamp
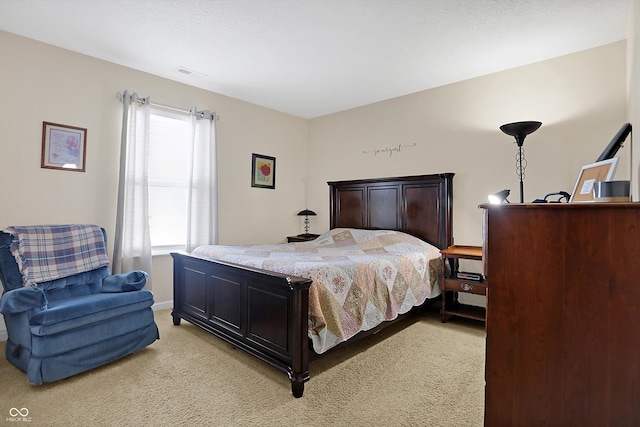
520 130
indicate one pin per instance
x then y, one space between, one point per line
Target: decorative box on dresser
563 332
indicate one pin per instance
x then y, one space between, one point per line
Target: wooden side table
451 282
302 238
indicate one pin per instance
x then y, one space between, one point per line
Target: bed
263 307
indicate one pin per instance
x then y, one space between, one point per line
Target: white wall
39 82
633 87
579 98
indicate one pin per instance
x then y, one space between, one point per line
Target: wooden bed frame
266 313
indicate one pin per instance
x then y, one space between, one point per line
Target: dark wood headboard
418 205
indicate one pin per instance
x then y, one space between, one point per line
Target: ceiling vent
188 72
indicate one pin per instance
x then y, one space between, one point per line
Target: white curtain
132 242
202 205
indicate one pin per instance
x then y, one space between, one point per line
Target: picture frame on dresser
589 175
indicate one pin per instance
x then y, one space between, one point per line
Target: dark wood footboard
262 312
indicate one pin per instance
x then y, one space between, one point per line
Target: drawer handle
466 286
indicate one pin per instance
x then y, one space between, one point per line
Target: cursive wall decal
389 150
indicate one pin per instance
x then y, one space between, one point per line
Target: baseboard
165 305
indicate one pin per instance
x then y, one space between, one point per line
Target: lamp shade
499 197
520 129
306 212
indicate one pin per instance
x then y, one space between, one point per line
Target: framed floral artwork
263 171
63 147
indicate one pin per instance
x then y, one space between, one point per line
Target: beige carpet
420 373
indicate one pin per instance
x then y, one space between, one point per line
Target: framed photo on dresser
589 175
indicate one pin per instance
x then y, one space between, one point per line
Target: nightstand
453 282
301 238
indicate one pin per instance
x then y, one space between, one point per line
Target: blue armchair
64 312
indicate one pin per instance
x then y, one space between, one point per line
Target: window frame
165 182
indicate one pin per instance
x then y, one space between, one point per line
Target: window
168 179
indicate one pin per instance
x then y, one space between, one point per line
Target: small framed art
263 171
63 147
589 175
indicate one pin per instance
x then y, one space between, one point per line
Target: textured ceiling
315 57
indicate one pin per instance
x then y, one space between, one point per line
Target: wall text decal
389 150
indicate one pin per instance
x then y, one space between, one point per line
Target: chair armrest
126 282
23 299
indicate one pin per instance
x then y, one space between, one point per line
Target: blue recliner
64 312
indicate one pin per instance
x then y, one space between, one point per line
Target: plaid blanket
49 252
360 277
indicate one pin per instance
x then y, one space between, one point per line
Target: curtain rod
167 107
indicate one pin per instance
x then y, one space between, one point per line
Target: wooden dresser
563 328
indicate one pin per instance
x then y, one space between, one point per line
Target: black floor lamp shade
519 130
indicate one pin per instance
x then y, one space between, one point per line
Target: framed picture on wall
63 147
589 175
263 171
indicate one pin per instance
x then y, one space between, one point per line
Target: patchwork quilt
360 277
